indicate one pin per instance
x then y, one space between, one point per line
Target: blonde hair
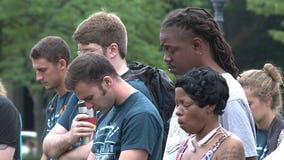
3 91
264 83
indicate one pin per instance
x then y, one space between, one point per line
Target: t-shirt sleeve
238 120
141 131
66 118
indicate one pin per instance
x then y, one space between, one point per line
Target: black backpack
161 88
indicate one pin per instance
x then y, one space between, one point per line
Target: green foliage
24 23
268 9
277 35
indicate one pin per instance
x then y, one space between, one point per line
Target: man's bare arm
6 152
79 153
133 154
59 140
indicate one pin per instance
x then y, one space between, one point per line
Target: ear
114 50
107 81
210 109
197 43
268 101
62 64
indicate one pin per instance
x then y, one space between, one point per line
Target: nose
39 76
88 104
178 111
166 57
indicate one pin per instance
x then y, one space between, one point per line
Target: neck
206 134
123 91
61 90
265 122
211 63
120 65
205 139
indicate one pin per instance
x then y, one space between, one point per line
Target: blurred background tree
267 9
254 28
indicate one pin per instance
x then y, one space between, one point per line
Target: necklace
203 140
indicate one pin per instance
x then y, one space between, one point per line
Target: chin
185 129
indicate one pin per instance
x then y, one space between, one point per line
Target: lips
170 68
180 122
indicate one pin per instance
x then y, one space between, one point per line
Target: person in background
191 38
101 33
10 128
50 57
201 96
126 131
263 90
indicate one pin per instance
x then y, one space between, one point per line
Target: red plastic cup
92 120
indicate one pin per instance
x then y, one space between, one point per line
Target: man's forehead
41 63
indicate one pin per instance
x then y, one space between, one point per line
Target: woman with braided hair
263 91
191 38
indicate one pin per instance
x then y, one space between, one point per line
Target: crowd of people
219 113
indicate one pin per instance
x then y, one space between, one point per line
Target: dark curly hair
205 87
199 22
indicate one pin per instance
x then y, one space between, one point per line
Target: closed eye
42 70
88 98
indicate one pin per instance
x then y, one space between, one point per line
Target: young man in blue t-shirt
50 57
131 127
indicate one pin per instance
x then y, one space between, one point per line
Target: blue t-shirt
71 111
261 146
72 108
69 114
134 124
54 110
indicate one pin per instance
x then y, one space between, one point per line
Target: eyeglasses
82 51
198 10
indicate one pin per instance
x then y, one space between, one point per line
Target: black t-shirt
10 126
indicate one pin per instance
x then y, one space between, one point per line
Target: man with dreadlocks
191 38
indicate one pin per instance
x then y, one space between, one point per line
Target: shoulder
231 148
7 105
277 123
5 101
73 99
235 89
